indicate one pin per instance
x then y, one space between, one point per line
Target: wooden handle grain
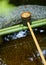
36 43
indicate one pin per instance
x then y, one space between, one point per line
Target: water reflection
23 33
20 48
2 62
44 53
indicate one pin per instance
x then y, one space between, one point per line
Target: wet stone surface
14 17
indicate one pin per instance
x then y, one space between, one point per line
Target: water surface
21 50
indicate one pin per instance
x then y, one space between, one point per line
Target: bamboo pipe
19 27
26 17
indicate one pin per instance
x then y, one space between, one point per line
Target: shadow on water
19 48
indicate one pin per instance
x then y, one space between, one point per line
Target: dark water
21 50
21 2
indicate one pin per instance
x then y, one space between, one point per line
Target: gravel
37 12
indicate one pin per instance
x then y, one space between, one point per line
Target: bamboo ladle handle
26 21
36 43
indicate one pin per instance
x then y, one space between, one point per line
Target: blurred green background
5 7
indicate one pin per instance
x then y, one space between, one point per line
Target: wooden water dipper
26 18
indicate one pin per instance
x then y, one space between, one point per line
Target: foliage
5 7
